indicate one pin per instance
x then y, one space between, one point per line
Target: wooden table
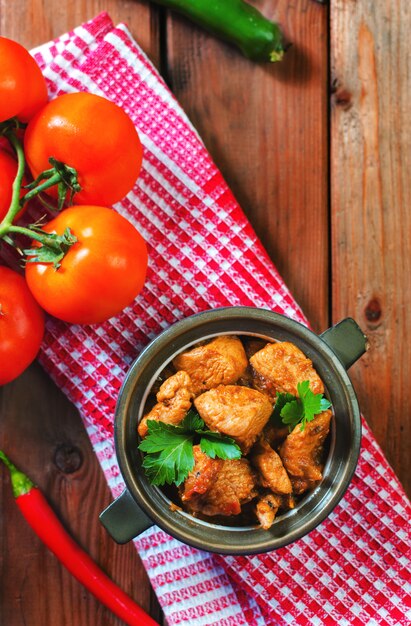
318 152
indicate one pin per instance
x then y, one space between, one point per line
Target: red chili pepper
48 527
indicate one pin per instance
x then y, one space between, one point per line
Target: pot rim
188 326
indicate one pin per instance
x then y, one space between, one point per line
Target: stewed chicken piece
275 434
266 509
234 486
222 361
173 401
280 367
288 502
302 451
253 345
202 476
271 472
236 411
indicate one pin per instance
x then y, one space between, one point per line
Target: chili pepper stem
21 483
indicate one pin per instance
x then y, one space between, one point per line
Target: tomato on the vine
99 275
92 135
23 89
21 325
8 169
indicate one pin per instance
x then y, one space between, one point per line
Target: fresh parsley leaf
216 445
169 453
313 403
157 431
292 413
325 404
281 400
170 466
169 456
192 422
293 410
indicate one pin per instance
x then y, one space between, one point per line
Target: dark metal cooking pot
142 505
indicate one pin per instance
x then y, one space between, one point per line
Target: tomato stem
61 175
15 204
48 205
46 240
53 180
54 247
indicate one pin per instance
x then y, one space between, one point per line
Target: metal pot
141 505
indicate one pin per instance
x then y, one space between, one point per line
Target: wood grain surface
320 162
266 128
371 200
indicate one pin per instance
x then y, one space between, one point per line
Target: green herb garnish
169 453
281 401
293 410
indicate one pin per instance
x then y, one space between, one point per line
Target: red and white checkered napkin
355 567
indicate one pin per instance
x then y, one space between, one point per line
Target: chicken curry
234 384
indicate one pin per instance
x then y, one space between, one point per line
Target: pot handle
124 519
347 340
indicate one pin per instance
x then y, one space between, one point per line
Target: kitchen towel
355 567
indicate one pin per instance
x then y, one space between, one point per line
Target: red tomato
23 89
100 274
94 136
21 325
6 146
8 169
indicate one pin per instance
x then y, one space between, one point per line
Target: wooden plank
32 23
43 433
266 128
371 196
